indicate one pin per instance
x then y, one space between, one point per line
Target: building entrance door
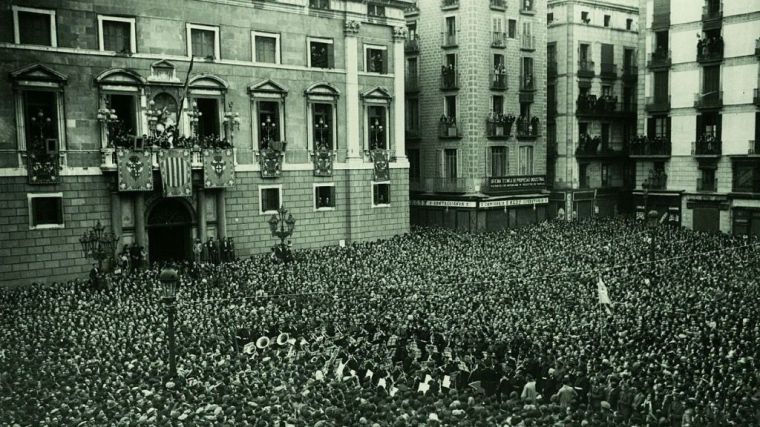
169 231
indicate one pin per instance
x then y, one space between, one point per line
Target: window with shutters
266 47
34 26
658 127
608 57
117 34
512 28
270 199
203 41
450 163
499 161
324 197
376 59
321 53
526 160
710 82
450 31
45 210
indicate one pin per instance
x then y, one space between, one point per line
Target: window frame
277 47
30 216
189 35
255 123
263 187
132 34
17 29
314 196
21 109
310 122
383 48
331 42
374 185
220 107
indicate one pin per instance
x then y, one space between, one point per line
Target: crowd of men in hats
214 251
430 328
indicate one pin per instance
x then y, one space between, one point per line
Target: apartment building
476 113
695 156
288 102
591 105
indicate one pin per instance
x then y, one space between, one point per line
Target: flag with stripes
176 173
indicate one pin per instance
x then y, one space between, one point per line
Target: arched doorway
169 231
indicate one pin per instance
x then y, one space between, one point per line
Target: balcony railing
756 97
551 69
449 3
595 146
609 71
528 127
498 80
498 4
528 42
499 39
586 69
448 128
527 82
643 146
659 103
708 100
707 185
449 78
710 49
448 39
604 106
707 145
630 73
499 126
659 59
412 44
319 4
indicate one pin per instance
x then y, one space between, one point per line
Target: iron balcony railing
499 39
608 71
596 146
658 103
707 185
449 78
498 79
528 127
654 146
499 126
710 49
585 68
590 105
706 145
659 59
412 44
708 100
448 128
527 82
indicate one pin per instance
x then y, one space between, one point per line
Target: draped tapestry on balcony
176 172
218 168
379 158
135 169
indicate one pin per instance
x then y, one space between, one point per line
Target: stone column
221 215
399 115
140 234
200 209
353 116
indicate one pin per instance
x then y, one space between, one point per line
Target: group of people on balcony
499 76
499 124
119 137
449 75
708 143
527 126
588 144
656 180
588 102
709 46
657 145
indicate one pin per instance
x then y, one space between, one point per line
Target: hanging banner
135 170
176 172
380 159
218 168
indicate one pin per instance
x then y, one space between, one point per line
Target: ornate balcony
449 4
712 15
709 100
658 104
499 39
449 78
499 126
609 71
710 50
448 128
630 73
606 106
528 127
706 146
707 185
498 4
412 44
659 59
586 69
498 79
646 147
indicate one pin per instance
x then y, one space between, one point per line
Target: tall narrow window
269 122
450 106
208 122
584 52
40 107
322 117
412 116
376 60
607 19
661 86
377 127
450 36
450 163
527 80
526 160
661 41
499 161
512 28
414 163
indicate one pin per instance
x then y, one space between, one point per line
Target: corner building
591 105
696 155
309 92
476 113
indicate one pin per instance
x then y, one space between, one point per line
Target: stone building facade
311 90
697 162
591 105
476 113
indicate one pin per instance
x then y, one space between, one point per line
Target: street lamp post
282 228
98 244
169 287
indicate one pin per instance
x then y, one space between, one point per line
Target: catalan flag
176 173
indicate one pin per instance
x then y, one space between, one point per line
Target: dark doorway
169 231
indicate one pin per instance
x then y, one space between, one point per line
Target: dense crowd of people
429 328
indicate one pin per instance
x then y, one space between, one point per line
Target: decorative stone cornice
351 28
399 33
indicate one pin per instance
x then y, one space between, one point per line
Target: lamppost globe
652 218
169 279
